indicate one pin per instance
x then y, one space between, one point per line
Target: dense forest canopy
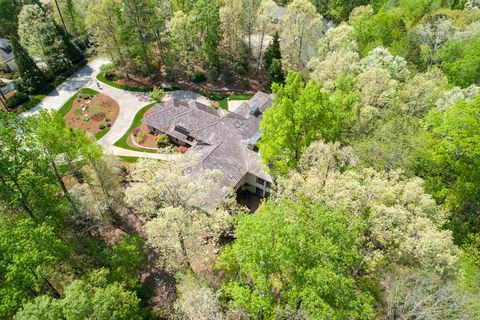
373 139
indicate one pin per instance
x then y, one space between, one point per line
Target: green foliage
157 95
272 52
90 298
101 77
29 252
449 161
298 257
460 60
17 99
109 72
32 78
275 73
137 121
337 10
300 114
140 137
198 77
385 28
127 259
101 126
39 34
162 140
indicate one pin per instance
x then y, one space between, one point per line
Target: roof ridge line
208 154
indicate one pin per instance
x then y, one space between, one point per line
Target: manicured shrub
198 77
162 140
17 99
101 126
140 138
109 72
136 131
157 95
107 119
86 118
77 112
108 124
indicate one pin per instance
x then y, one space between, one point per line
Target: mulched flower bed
92 113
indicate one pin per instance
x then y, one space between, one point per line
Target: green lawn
128 159
101 77
137 121
224 102
34 100
68 105
101 134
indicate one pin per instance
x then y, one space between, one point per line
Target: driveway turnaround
83 78
130 103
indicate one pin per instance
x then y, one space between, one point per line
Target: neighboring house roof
327 26
278 12
5 49
6 54
220 138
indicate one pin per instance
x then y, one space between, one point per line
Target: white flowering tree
301 27
404 222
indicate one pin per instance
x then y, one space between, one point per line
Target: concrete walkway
130 103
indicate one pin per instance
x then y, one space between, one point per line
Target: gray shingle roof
220 137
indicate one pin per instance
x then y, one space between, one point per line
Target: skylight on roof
238 123
181 130
254 109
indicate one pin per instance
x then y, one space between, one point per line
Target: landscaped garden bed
91 112
141 138
215 92
125 142
138 137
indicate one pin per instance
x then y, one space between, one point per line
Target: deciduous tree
295 256
450 154
404 222
38 34
92 297
300 114
301 27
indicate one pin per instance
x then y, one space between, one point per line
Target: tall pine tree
32 78
273 52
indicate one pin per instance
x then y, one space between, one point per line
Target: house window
267 194
181 130
269 185
260 181
259 191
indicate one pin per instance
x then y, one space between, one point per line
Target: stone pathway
130 103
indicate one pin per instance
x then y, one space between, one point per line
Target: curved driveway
129 103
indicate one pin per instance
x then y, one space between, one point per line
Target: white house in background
7 60
224 141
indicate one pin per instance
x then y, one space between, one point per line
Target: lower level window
259 191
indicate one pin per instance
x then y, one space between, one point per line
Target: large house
7 60
224 141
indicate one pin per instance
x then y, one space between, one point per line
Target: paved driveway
129 103
83 78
